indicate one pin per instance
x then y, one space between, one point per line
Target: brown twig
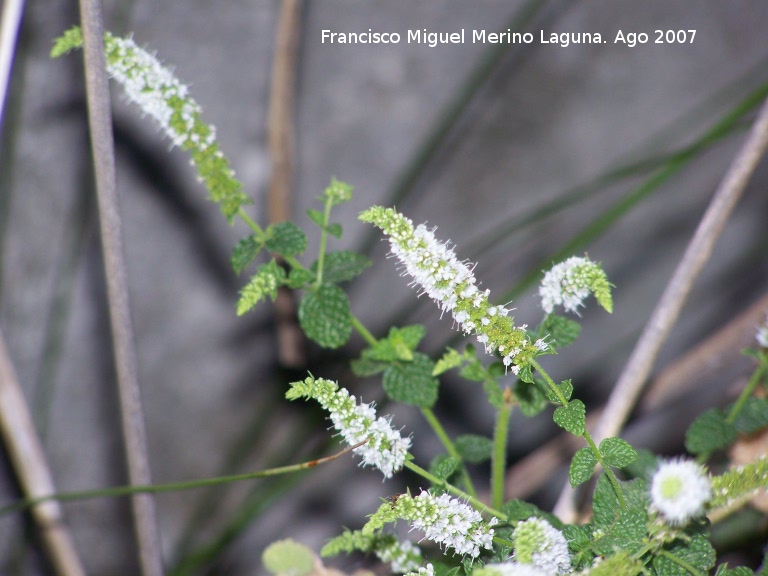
100 124
29 464
631 381
281 149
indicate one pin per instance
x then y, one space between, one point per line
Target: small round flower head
762 334
510 569
403 556
452 285
569 283
444 520
427 570
679 491
541 545
385 448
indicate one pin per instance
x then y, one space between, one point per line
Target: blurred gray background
541 127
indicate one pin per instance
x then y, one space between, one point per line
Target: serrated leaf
334 230
363 368
443 466
342 265
709 432
582 466
412 382
268 278
517 510
287 557
571 417
399 344
473 371
753 416
494 393
697 553
626 533
286 238
474 448
244 253
643 467
616 452
566 389
606 506
561 331
324 316
450 360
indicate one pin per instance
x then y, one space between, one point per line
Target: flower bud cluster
541 545
403 556
384 448
570 282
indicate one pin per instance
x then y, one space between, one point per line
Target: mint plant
644 520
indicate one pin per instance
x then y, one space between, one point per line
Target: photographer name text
562 39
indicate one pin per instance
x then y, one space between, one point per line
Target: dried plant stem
10 21
631 381
29 464
134 433
281 150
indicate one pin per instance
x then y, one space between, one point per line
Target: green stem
746 394
250 222
476 502
499 461
450 447
117 491
362 330
323 242
586 435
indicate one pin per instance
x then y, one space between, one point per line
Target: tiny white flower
427 570
403 556
762 334
679 491
511 569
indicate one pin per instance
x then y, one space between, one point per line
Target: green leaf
399 344
300 278
566 389
709 432
561 331
443 466
288 558
531 398
363 368
412 382
324 316
342 265
334 230
571 417
244 253
474 371
753 416
450 360
643 467
616 452
608 510
317 217
517 510
268 278
582 466
698 553
286 238
474 448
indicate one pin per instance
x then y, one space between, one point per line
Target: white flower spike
680 489
510 569
385 449
451 284
403 556
427 570
541 545
569 283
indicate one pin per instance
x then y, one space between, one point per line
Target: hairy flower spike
762 334
679 491
543 546
385 449
569 283
444 520
510 569
427 570
154 88
436 269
